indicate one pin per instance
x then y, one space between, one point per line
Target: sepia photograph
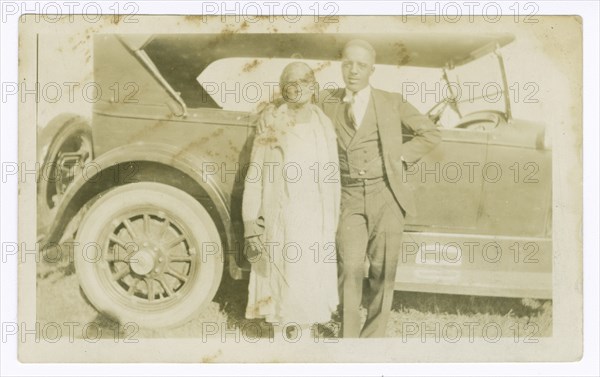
296 188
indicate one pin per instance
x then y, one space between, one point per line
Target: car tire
148 254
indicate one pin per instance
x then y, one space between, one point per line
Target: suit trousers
370 228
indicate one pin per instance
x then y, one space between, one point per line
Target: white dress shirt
361 101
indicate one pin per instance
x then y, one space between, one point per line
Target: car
156 176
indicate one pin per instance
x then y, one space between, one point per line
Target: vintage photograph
300 189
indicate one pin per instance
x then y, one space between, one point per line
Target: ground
431 317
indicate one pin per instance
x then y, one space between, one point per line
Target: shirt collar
360 95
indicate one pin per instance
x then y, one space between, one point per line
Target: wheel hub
142 262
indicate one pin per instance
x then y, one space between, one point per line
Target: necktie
350 110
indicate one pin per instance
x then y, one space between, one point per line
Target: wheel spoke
180 258
146 225
174 242
176 275
129 227
163 229
113 256
151 292
121 273
132 287
114 238
165 286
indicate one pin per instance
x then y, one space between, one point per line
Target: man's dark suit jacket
393 112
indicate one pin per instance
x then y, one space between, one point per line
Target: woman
291 208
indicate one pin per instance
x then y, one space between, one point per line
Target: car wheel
150 254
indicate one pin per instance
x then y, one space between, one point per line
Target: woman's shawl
264 190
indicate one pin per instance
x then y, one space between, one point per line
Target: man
374 199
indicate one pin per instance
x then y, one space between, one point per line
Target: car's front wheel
149 254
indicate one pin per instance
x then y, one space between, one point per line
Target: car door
517 181
446 183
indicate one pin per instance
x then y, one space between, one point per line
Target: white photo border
586 366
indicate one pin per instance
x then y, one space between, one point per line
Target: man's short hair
360 43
